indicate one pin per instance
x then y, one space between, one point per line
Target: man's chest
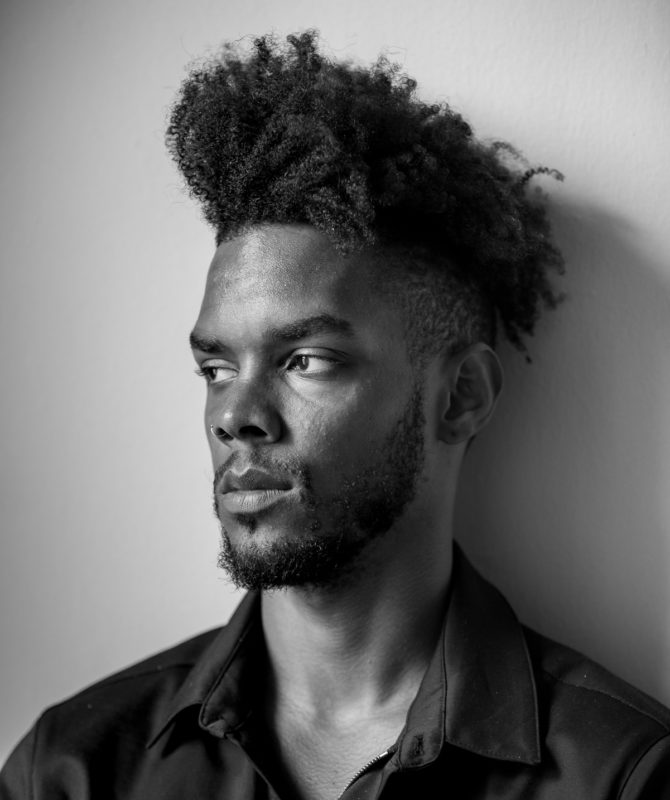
312 764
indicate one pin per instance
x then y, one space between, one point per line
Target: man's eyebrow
291 332
311 326
204 343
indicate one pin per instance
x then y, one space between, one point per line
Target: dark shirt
502 712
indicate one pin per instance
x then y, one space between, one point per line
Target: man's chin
263 559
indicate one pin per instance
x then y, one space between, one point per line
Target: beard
336 528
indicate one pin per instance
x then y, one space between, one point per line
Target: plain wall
109 544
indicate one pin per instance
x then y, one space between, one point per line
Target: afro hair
281 134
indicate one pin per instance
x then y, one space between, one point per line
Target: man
368 248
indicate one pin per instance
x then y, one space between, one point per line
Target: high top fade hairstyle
278 133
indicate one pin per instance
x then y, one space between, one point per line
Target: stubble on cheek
346 511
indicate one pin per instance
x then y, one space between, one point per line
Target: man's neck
346 661
361 647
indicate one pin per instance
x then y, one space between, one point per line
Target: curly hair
281 134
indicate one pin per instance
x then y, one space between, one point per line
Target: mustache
281 469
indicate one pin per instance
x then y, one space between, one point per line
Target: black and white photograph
335 400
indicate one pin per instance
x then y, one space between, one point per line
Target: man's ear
474 381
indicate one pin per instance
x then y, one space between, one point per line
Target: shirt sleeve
16 775
650 778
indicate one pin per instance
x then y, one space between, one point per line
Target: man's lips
253 490
252 480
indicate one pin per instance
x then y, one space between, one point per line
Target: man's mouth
252 491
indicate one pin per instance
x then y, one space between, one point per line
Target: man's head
369 246
326 429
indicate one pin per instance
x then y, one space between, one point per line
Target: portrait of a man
371 256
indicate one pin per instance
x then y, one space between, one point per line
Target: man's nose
245 413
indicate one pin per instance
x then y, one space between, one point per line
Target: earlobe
475 378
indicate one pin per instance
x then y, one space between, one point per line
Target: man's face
314 413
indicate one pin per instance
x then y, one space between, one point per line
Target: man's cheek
337 458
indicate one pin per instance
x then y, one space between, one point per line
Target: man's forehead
285 260
270 277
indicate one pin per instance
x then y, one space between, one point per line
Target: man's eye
215 373
311 365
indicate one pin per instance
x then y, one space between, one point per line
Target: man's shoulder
135 697
109 721
579 693
165 667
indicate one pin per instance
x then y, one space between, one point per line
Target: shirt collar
478 692
214 684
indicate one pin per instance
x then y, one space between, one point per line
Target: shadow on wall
564 500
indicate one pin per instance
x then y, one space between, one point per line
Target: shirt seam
638 762
497 754
120 678
616 699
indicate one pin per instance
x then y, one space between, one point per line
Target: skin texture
315 412
334 526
